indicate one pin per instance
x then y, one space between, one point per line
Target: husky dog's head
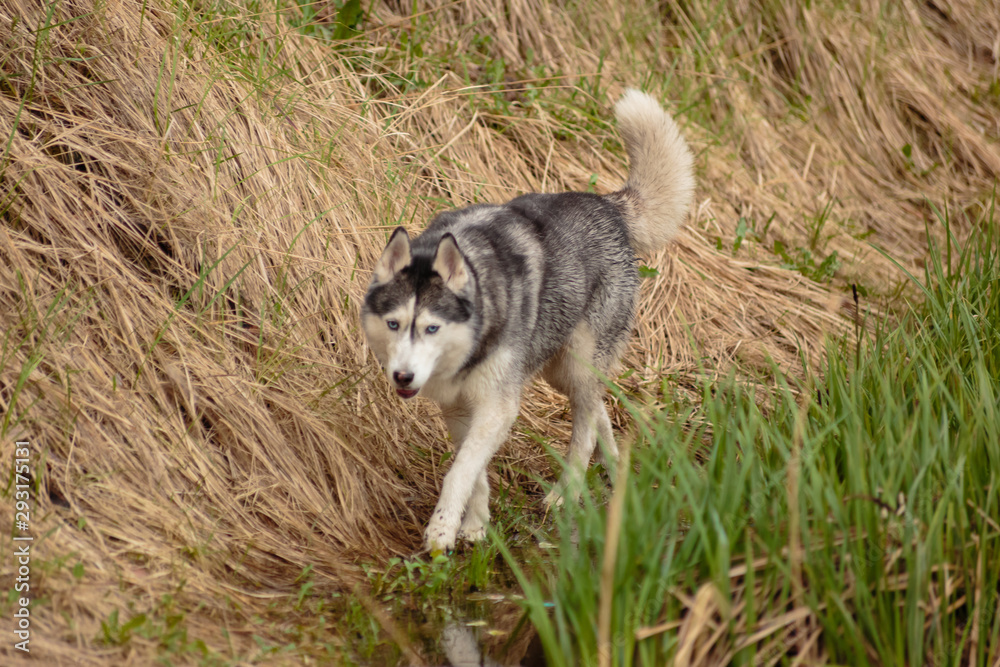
418 312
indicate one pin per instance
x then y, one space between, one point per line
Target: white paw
555 497
439 540
474 521
472 531
441 532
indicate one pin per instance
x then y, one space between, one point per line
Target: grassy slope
189 190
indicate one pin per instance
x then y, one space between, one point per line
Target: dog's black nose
402 379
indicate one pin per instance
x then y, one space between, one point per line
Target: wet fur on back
489 295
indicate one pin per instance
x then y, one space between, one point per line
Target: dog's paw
441 532
474 522
474 533
439 541
554 498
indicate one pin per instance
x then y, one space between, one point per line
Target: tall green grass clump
852 517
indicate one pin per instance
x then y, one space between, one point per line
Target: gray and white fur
490 295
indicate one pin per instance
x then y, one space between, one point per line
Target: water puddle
487 630
499 635
465 609
483 630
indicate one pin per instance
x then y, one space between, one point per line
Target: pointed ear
449 263
395 256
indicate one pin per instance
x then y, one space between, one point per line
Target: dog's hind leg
477 513
609 451
571 373
590 419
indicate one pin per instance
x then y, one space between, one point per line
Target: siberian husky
489 295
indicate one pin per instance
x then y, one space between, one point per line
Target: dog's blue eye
392 324
432 329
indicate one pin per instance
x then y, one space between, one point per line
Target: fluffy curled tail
660 185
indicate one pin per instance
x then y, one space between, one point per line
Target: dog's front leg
488 428
477 510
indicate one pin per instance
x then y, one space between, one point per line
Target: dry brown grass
184 250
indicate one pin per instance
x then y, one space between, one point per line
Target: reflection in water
487 630
461 647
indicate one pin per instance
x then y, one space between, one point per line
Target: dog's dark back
543 263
